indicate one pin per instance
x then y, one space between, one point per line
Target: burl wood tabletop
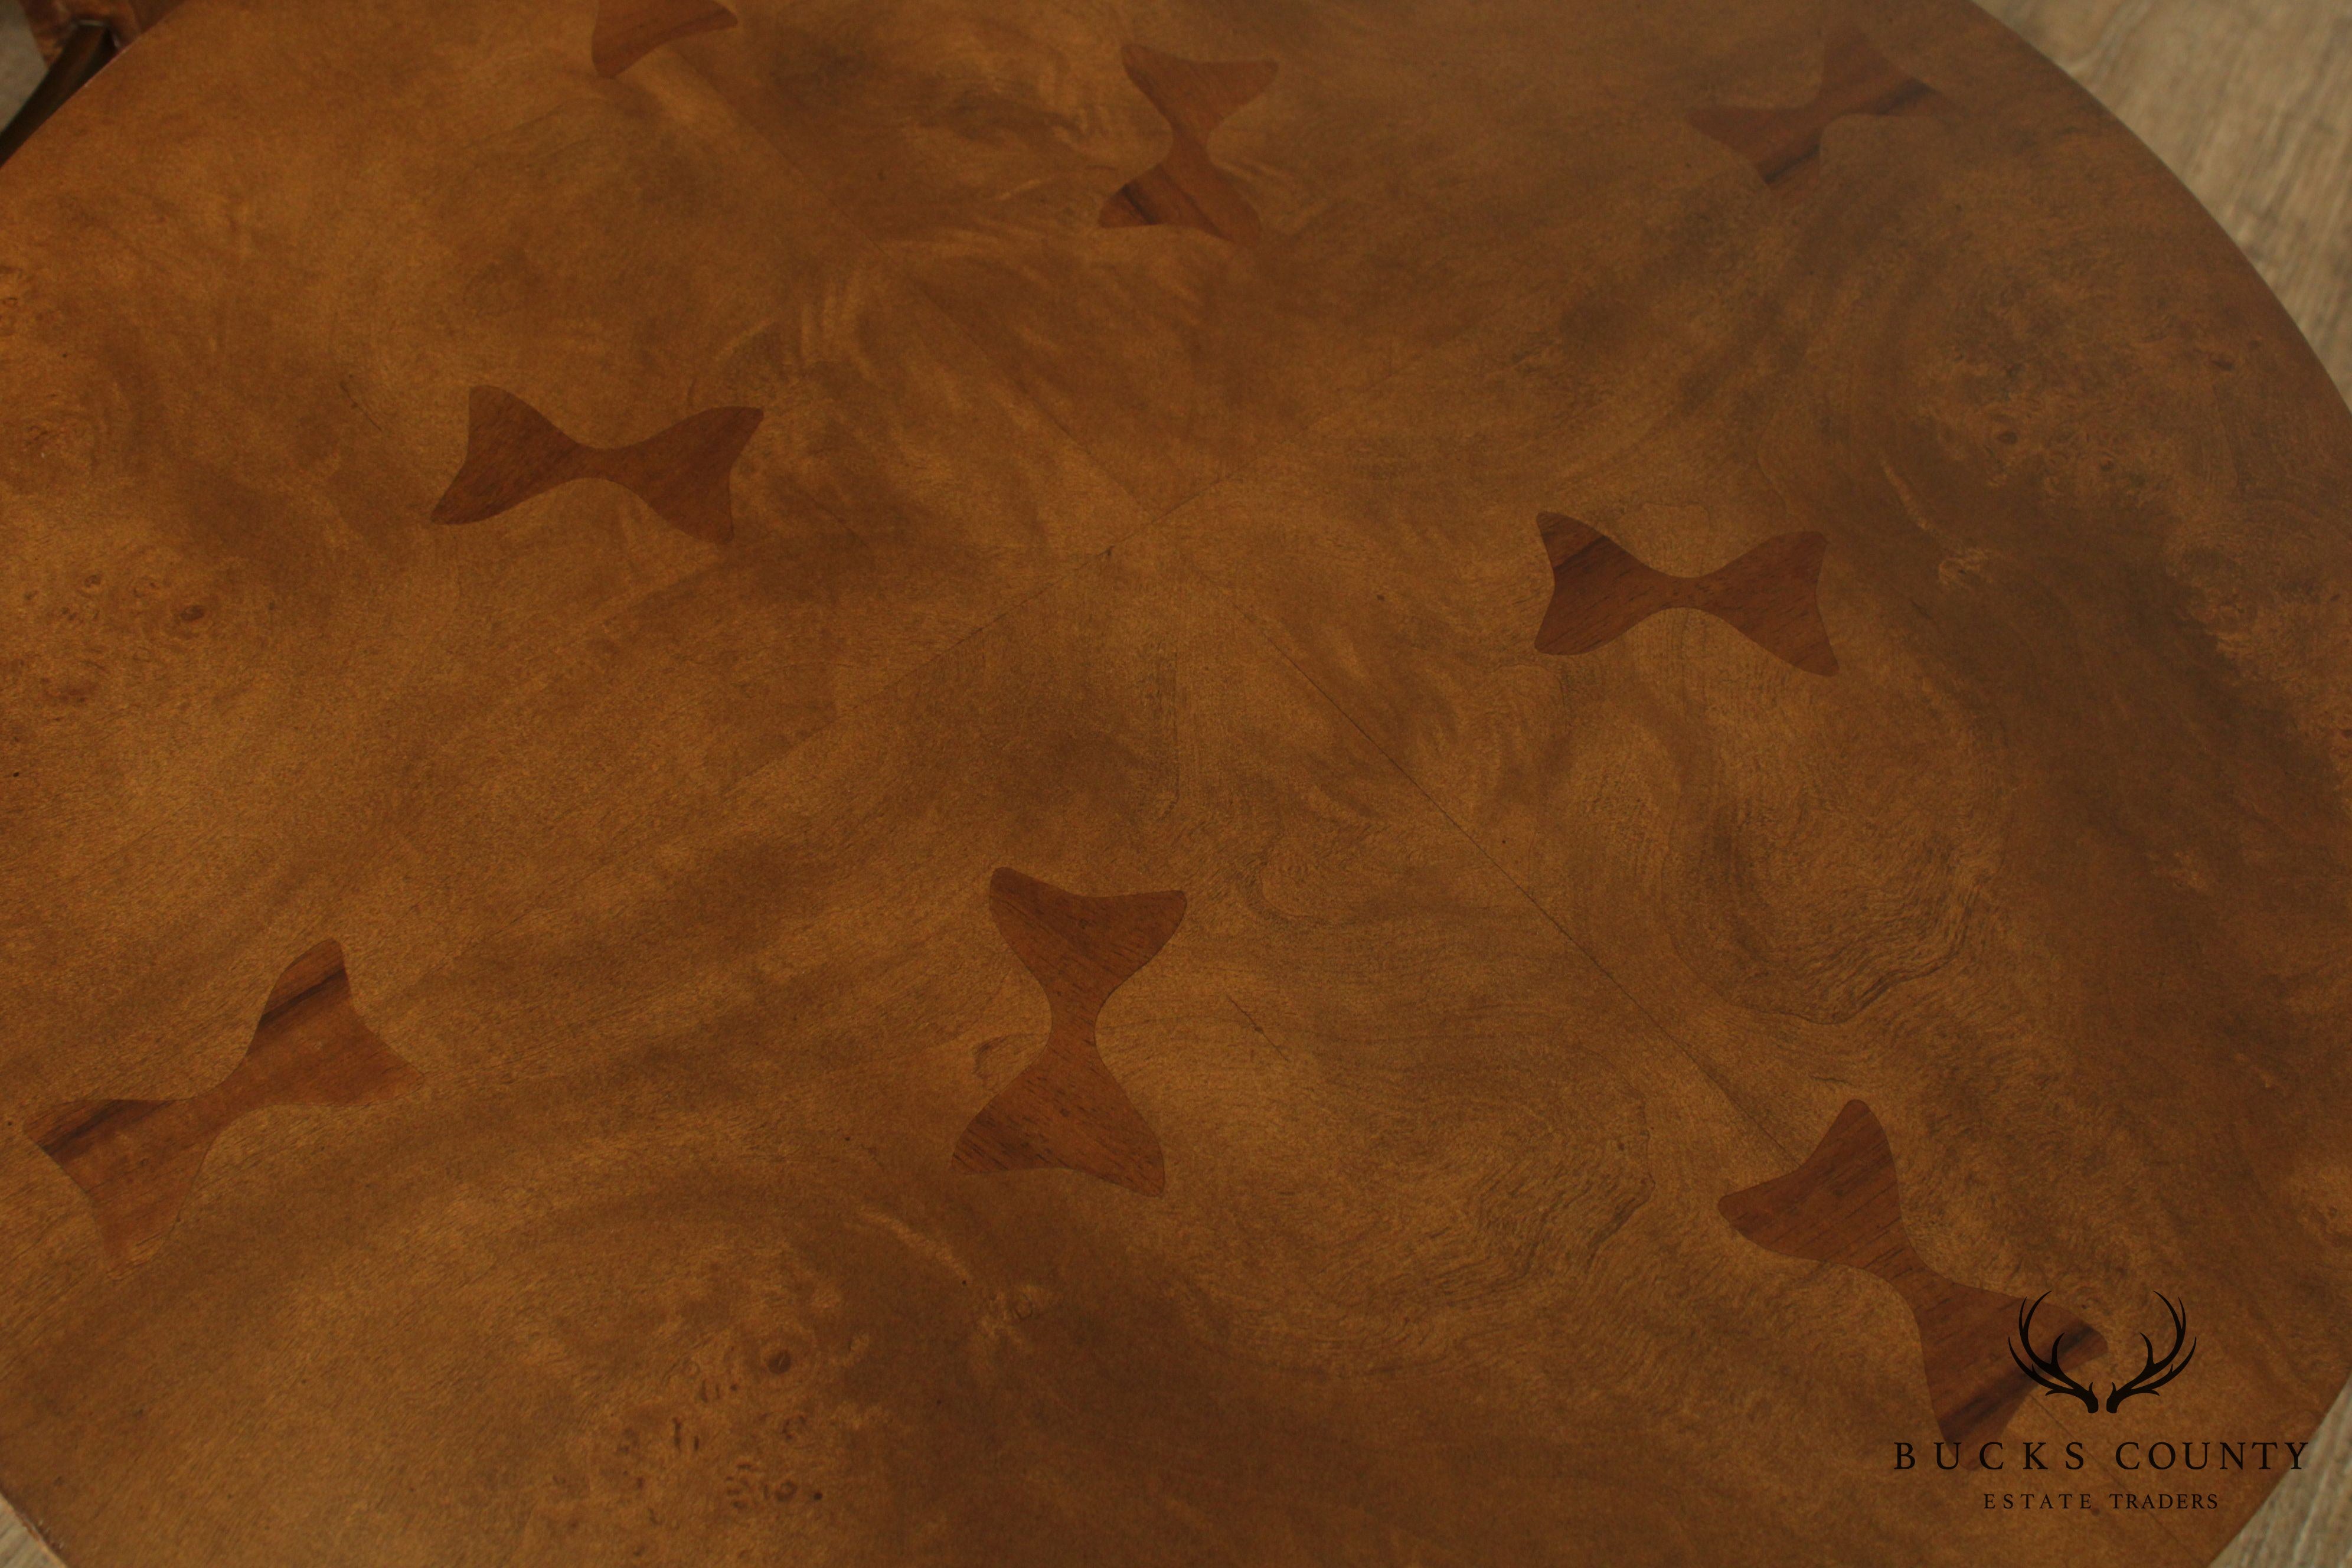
1157 782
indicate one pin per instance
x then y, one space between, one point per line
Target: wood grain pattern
19 1547
629 30
138 1161
1140 561
1785 144
1769 595
513 452
1843 1205
1186 188
1064 1109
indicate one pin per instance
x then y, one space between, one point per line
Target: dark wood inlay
514 452
1185 188
1842 1206
1600 591
138 1160
1064 1109
1785 144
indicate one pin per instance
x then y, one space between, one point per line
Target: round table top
1157 782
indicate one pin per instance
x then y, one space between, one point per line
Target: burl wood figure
1186 187
1065 1109
1600 591
514 452
1785 144
138 1160
1360 1203
1843 1205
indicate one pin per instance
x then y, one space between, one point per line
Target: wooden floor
20 63
2250 101
18 1549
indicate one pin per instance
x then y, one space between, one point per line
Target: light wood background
18 1549
2251 102
20 62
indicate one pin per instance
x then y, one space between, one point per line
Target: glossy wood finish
732 898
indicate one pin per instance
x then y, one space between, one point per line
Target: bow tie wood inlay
1185 188
629 30
1064 1109
1842 1206
513 452
1600 591
1785 144
138 1160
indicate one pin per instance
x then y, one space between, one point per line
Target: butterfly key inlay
1842 1206
1064 1109
1186 188
138 1161
1785 144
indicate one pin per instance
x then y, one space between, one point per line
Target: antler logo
2159 1369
